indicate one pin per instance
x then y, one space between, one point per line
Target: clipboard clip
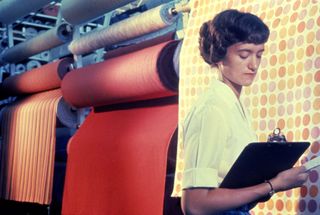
277 136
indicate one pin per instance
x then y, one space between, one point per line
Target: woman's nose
254 64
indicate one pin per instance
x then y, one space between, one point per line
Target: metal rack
36 22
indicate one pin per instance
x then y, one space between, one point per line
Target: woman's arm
203 201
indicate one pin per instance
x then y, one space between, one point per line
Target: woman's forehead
247 47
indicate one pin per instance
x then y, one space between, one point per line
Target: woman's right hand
291 178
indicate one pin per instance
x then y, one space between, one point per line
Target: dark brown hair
227 28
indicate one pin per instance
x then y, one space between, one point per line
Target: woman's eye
259 55
243 56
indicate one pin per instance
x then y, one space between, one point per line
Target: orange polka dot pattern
286 93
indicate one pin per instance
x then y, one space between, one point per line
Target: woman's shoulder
209 108
212 101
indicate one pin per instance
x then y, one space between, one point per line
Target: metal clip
277 136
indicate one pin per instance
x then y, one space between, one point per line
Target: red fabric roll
145 74
41 79
117 160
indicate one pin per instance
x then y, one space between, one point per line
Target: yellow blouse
215 132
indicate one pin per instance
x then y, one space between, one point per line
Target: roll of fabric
144 23
44 41
176 58
44 78
138 46
119 158
51 10
12 10
30 32
140 75
81 11
67 115
28 147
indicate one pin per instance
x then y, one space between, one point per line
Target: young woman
218 127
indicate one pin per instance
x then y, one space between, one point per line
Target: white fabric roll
147 22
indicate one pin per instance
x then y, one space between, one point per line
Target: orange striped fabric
28 130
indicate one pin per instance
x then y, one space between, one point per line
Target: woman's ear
220 66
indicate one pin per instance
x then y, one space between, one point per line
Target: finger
303 169
303 176
300 169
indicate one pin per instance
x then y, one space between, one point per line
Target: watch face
276 131
271 193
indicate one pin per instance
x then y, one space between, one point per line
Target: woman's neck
236 88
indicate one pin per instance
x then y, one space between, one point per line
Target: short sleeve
204 141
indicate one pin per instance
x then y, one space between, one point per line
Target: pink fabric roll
140 75
44 78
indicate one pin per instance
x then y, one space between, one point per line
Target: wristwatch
272 191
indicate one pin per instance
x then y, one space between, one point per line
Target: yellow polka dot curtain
285 94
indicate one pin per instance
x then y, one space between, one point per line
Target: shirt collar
228 96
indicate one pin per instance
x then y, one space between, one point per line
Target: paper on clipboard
312 163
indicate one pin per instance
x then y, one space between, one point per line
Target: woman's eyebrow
250 50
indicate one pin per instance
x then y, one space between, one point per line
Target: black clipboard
260 161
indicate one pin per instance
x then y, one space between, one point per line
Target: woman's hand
291 178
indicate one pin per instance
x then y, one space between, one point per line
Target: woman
218 127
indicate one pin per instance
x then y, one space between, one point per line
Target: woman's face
240 65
